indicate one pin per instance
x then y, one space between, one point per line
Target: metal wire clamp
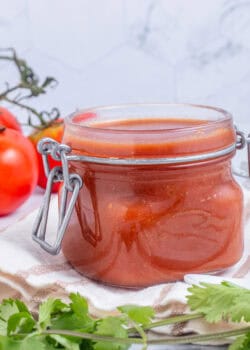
243 140
71 184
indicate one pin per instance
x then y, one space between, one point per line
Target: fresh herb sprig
28 86
62 325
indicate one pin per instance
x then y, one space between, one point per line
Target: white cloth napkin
27 272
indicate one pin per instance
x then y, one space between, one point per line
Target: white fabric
27 272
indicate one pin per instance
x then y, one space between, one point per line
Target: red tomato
54 131
8 120
18 170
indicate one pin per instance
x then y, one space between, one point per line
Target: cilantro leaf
10 307
241 343
76 318
65 342
220 301
21 306
70 321
78 304
139 314
79 307
3 327
111 326
37 343
21 322
241 308
15 315
49 308
86 344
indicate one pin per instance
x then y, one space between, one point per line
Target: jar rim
223 116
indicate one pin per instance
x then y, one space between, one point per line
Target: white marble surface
118 51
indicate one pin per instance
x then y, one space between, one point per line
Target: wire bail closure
243 141
71 184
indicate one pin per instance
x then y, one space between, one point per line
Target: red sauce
135 226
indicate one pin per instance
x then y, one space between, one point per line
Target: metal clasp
71 184
243 141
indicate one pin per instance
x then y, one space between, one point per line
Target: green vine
29 86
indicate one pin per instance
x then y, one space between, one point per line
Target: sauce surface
148 137
149 124
135 226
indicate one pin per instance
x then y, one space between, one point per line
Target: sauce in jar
140 224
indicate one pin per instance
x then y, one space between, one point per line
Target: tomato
8 119
54 131
18 170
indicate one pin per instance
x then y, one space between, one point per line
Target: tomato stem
29 86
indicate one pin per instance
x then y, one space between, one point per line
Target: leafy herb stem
169 320
95 337
186 339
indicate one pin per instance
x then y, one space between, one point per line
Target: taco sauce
138 225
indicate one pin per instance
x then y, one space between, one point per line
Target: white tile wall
117 51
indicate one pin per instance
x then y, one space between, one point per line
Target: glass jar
158 198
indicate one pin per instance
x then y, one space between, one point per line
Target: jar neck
151 136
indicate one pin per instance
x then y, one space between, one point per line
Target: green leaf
3 327
65 342
77 318
34 343
21 306
70 321
10 307
241 309
86 344
48 309
220 301
79 304
111 326
241 343
21 322
139 314
49 81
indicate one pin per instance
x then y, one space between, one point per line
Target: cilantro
76 317
21 322
241 343
220 301
49 308
70 326
111 326
38 343
10 307
140 314
64 342
78 304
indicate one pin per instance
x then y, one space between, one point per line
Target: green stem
8 58
95 337
28 108
7 91
186 339
169 320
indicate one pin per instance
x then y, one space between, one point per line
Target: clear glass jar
158 199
